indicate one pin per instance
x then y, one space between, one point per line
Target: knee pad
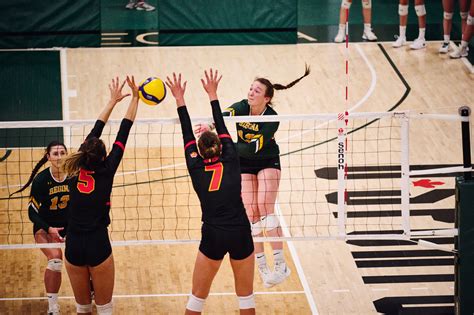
270 222
195 304
403 9
256 228
105 309
55 264
345 4
420 10
367 4
83 308
448 15
246 302
470 20
464 15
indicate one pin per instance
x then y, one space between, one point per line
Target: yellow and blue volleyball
152 91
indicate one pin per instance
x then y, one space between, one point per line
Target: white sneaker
444 48
265 275
341 35
144 6
130 5
369 35
418 44
401 41
54 310
280 273
459 52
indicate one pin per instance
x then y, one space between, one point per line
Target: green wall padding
465 245
31 90
63 23
228 38
227 14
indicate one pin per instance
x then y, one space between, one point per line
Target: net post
465 111
464 222
341 173
405 174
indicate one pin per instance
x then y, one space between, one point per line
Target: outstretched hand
177 89
132 85
115 88
211 83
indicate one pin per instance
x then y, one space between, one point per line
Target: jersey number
86 183
62 202
217 172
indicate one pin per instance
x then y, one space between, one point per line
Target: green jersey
256 140
49 201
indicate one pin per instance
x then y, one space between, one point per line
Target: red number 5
217 172
86 183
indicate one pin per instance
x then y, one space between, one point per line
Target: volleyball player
419 42
448 8
368 34
213 164
48 210
88 249
260 166
463 49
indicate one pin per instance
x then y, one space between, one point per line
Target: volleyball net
343 176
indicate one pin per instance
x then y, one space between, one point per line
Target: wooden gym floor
328 277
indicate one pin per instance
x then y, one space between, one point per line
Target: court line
297 262
121 296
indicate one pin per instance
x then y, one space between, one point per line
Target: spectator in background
139 5
366 12
420 9
462 50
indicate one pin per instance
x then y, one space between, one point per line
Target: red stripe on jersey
224 135
189 143
120 144
107 203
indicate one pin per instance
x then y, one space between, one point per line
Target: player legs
52 274
205 269
103 278
79 277
243 278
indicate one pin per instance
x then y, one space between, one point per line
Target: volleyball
152 91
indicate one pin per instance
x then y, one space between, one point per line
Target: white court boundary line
297 262
159 295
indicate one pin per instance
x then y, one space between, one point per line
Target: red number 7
217 172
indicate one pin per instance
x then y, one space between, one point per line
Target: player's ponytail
90 154
272 87
209 145
38 165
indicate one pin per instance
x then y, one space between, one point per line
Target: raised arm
116 96
210 85
178 89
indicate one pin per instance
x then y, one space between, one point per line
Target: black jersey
256 140
49 201
91 189
217 181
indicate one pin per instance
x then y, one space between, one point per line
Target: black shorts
215 243
63 232
88 248
254 166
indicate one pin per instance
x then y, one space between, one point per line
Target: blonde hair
90 155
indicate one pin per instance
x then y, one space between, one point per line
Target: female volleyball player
419 42
88 249
48 210
215 173
260 166
448 8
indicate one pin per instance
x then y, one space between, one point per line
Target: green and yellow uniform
256 140
49 202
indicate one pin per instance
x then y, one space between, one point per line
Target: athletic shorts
36 228
254 166
215 243
88 248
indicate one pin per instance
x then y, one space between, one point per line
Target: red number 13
86 183
217 172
